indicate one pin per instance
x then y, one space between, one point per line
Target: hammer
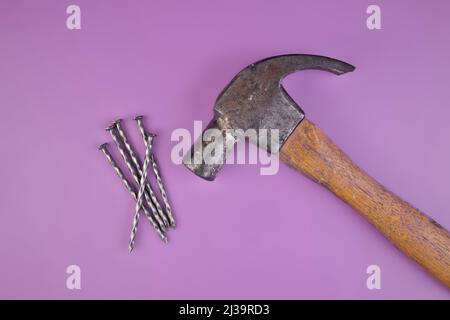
255 99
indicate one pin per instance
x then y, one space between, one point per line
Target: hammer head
255 99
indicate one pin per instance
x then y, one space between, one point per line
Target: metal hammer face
255 99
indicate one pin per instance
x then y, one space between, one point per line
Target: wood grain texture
311 152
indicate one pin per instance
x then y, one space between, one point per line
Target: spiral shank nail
148 138
141 127
133 231
128 146
151 204
135 175
158 207
163 191
136 162
128 186
140 197
123 154
116 168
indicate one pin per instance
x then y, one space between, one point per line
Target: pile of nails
141 190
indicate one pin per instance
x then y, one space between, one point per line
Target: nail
127 184
134 173
168 208
140 196
138 166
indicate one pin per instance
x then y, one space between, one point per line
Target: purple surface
245 235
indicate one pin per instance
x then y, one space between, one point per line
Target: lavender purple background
245 235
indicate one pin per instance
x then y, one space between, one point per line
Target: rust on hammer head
256 99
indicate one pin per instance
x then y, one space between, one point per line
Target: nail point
138 118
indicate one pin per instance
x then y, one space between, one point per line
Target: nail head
102 146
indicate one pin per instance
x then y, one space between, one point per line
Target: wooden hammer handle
311 152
